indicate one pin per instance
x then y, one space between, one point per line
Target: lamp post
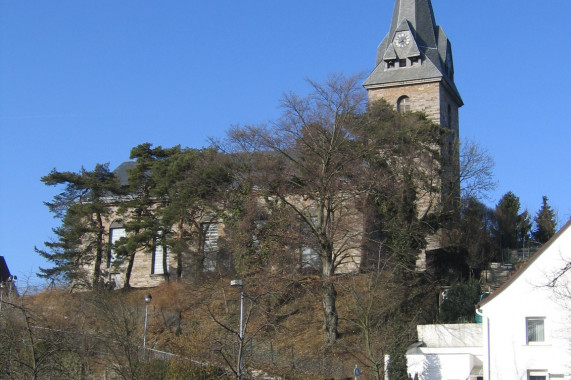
148 299
240 283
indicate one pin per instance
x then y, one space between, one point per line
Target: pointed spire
420 15
414 36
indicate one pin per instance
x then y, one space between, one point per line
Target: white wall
447 351
442 366
508 355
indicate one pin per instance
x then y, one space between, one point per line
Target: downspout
486 326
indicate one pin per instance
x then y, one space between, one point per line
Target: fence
277 363
286 361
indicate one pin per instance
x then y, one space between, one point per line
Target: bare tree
308 166
328 159
476 171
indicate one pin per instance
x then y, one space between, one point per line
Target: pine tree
545 222
475 233
512 229
193 183
81 240
140 214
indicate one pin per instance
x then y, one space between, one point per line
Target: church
414 71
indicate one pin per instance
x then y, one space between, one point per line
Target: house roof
529 262
428 40
4 271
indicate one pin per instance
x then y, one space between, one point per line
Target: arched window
403 104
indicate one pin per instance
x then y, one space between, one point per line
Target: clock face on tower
402 39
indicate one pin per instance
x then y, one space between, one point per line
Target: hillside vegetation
89 335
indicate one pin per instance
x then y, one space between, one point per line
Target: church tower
415 72
414 69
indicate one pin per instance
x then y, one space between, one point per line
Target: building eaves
524 267
4 271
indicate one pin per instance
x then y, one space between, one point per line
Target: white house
451 351
526 329
527 322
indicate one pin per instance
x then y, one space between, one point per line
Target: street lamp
240 283
148 299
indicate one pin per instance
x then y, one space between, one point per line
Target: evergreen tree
545 222
459 303
81 240
194 183
512 229
475 233
139 212
397 367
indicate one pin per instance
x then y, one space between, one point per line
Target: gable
544 271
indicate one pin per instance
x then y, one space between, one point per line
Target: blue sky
82 82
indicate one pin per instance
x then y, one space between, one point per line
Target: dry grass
187 318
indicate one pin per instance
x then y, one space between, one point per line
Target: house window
403 104
402 62
535 330
159 253
210 233
536 375
414 61
116 232
390 64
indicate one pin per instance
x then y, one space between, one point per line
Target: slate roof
4 271
428 40
122 171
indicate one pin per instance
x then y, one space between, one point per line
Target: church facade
414 72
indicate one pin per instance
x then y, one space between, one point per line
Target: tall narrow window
403 104
116 232
160 253
210 233
535 330
310 258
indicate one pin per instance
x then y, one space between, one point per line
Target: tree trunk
129 270
329 294
179 253
99 252
165 265
329 311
